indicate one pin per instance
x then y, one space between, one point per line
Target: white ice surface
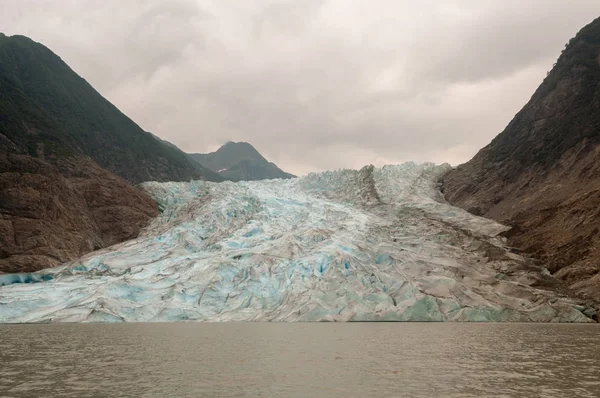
368 245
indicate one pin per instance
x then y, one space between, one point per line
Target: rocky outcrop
541 175
53 213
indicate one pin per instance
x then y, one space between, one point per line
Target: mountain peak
239 161
240 144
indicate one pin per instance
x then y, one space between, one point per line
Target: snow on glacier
368 245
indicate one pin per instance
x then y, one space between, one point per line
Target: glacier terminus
377 244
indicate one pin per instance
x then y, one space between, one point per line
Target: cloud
313 84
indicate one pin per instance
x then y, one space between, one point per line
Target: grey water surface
300 360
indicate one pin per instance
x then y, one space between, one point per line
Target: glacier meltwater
368 245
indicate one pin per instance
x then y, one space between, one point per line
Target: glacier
376 244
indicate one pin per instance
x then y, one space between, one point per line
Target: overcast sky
313 84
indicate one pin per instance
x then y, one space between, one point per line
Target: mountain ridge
68 158
204 171
239 161
541 175
48 109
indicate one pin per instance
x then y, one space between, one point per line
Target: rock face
541 175
240 161
52 214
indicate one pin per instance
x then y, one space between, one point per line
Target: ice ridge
377 244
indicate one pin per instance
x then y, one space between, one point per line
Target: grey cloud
314 84
500 38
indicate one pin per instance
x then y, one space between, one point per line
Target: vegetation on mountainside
47 108
576 73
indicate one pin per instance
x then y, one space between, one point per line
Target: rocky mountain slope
541 175
67 158
53 213
240 161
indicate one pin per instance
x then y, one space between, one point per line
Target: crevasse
367 245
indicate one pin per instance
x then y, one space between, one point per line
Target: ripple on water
300 360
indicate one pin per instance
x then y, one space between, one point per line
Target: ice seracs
367 245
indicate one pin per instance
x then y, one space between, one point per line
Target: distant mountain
240 161
47 110
207 173
542 173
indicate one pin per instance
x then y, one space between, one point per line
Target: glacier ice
378 244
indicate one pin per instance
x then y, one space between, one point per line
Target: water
300 360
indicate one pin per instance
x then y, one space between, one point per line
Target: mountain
349 245
67 159
240 161
47 110
541 175
207 173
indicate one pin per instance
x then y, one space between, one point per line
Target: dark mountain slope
47 110
56 202
542 173
238 161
